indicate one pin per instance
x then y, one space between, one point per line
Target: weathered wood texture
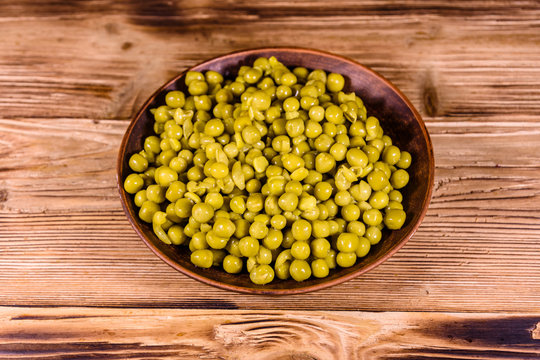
89 333
72 74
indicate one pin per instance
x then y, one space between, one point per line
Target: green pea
391 155
405 160
133 183
363 247
202 212
379 200
301 230
147 211
300 250
202 258
399 179
373 234
262 274
300 270
138 163
258 230
377 179
320 268
347 242
394 219
248 246
372 217
335 82
346 259
183 207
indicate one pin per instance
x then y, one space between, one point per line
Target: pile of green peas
277 171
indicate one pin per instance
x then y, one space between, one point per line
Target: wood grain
73 73
83 333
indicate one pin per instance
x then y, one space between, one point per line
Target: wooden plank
73 73
103 60
104 333
475 251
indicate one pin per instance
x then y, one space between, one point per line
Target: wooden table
77 283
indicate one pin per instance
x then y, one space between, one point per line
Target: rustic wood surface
77 283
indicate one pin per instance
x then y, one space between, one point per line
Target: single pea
278 222
262 274
320 268
331 259
183 207
164 176
373 234
399 179
288 201
155 193
224 227
232 264
301 230
140 197
214 128
242 228
202 212
391 155
395 195
273 239
350 212
215 241
238 205
133 183
251 134
175 191
321 229
346 259
377 179
202 258
295 127
252 75
138 163
300 250
175 99
372 217
405 160
320 248
324 162
198 87
394 219
147 211
335 82
316 113
198 241
176 235
338 151
334 114
219 170
347 242
357 158
363 247
356 227
323 142
343 198
248 246
300 270
255 202
323 191
294 187
258 230
378 200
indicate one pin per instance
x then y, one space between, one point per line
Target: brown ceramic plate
398 118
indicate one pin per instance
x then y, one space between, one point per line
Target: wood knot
430 98
3 195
